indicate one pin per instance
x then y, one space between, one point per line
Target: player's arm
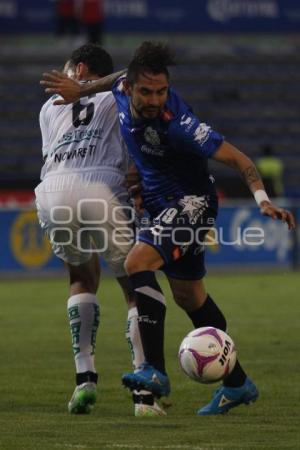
231 156
71 91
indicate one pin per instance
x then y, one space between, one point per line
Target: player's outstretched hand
267 209
59 83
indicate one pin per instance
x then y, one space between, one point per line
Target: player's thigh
120 224
54 208
179 237
114 236
57 213
188 294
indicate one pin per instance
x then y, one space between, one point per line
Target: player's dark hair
98 61
151 57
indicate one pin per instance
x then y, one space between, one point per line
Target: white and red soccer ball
207 355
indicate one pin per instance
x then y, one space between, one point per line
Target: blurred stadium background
240 71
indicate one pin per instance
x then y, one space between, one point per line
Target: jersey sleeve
189 134
121 100
118 90
44 126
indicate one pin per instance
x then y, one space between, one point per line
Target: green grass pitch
37 373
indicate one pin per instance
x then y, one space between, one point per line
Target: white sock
83 312
135 344
134 338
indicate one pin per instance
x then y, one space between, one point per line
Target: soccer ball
207 355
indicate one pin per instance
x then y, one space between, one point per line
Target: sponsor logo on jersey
151 136
201 134
152 151
193 206
76 153
185 120
78 136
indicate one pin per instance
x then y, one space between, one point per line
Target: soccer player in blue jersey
170 147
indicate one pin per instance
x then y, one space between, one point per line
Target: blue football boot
226 398
148 378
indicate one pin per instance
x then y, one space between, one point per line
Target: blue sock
209 315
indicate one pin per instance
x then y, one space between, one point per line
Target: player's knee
133 265
142 257
84 281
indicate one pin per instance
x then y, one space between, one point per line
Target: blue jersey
170 152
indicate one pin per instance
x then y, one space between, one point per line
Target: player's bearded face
149 95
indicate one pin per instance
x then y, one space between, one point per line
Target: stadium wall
242 239
19 16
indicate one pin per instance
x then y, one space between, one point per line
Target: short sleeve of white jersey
44 126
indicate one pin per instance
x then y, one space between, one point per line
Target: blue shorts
178 234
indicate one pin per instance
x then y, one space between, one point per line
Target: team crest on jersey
151 136
193 206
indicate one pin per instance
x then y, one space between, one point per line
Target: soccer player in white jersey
81 203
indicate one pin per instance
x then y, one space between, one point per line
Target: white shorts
82 215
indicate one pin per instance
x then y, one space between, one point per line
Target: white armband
261 196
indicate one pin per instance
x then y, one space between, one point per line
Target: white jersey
83 174
82 136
